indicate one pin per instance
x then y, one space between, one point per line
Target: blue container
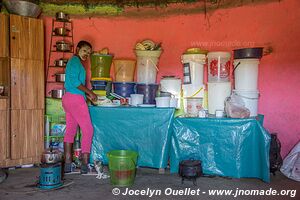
124 89
102 85
149 91
98 82
50 176
99 87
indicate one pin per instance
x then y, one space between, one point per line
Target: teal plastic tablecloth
227 147
145 130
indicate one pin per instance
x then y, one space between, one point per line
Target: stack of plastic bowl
100 73
147 61
219 85
101 86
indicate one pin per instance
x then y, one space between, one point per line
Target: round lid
190 163
100 79
169 78
219 53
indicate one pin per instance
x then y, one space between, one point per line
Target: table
227 147
145 130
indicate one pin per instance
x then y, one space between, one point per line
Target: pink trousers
77 113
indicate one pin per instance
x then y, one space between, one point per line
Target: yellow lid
100 79
100 92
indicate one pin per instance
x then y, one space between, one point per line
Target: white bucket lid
146 53
223 54
248 94
201 58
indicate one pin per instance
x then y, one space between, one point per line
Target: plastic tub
217 93
149 91
194 105
147 66
124 89
122 167
124 70
136 99
250 99
218 66
162 102
100 65
246 74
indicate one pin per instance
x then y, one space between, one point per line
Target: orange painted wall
275 24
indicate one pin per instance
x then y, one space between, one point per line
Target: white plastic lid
223 54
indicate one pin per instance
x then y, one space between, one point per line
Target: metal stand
53 53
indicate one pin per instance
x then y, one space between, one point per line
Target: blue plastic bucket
124 89
149 91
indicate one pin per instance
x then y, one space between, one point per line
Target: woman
75 106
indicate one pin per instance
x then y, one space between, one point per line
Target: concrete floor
20 184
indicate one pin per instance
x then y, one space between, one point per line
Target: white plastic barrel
173 86
218 66
217 93
246 74
147 66
250 99
194 74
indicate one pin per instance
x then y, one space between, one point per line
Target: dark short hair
83 43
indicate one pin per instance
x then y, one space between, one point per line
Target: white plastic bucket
171 85
194 105
174 102
218 66
191 90
136 99
217 93
162 102
147 66
246 74
193 68
250 99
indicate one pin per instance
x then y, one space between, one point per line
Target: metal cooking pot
190 168
51 156
60 77
61 62
60 16
63 46
58 94
61 31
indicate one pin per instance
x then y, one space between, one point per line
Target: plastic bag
291 164
235 107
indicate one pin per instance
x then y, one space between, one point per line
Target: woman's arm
91 95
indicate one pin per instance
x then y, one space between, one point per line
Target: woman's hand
92 96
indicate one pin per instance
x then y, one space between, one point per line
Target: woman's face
84 52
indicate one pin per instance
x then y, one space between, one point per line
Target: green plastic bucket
122 167
100 65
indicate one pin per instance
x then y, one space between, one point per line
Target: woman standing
75 106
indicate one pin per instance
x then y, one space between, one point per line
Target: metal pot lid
190 163
62 42
51 151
